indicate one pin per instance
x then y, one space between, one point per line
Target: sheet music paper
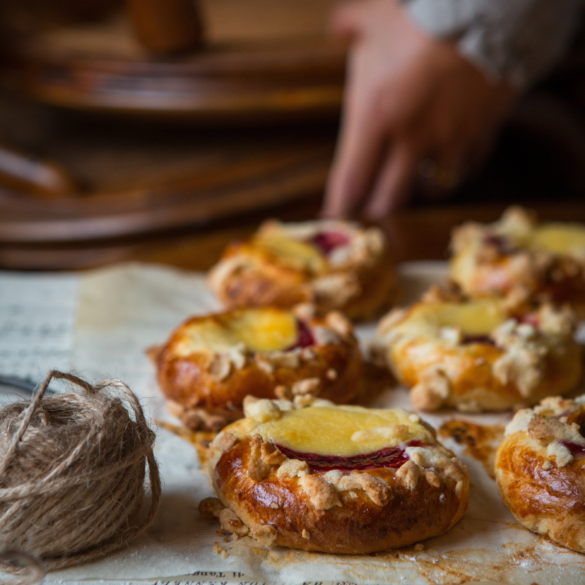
37 320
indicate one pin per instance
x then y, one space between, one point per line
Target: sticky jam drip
393 457
326 242
305 337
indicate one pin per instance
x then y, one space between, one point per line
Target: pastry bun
479 354
334 265
517 255
210 363
335 479
540 470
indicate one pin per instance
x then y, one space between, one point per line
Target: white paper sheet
119 313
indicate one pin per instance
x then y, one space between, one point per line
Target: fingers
359 148
394 182
350 177
347 20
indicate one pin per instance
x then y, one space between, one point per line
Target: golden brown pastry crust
541 482
517 365
490 258
282 502
361 284
206 389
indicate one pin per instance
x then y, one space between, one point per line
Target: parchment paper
120 312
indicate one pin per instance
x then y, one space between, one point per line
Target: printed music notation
37 318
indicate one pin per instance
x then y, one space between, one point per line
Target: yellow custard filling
478 317
559 238
293 253
343 431
260 330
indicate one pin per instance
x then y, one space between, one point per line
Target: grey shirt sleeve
516 40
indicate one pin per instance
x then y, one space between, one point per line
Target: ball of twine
72 469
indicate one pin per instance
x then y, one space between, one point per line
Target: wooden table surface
414 233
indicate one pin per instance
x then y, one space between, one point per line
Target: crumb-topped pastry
335 265
479 354
211 363
521 256
336 479
540 470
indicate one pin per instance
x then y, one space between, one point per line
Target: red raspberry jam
326 242
529 319
393 457
305 337
467 339
577 451
501 244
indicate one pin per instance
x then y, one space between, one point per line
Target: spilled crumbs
479 441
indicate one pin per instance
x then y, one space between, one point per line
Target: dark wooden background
115 149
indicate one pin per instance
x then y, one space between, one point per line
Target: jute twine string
72 469
33 571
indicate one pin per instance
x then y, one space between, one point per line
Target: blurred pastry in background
517 255
335 265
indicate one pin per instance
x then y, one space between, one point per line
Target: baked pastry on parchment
517 255
210 363
334 265
540 470
478 354
336 479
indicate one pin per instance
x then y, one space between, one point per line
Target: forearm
518 41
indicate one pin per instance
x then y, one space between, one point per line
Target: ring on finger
444 177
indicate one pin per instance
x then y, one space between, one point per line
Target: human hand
413 105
